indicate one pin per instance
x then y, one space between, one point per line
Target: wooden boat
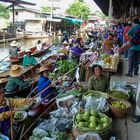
34 53
31 72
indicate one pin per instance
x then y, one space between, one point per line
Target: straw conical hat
42 69
16 71
14 44
65 43
28 51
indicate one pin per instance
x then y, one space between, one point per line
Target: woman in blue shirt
44 82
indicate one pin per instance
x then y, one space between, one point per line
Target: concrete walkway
125 129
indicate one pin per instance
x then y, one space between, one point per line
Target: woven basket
104 133
112 97
120 113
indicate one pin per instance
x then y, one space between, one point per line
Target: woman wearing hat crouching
16 81
28 59
44 82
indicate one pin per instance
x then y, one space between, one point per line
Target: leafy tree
4 12
100 14
79 9
46 9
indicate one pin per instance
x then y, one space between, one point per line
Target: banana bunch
64 51
107 60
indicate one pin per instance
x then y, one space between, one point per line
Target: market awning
73 21
120 7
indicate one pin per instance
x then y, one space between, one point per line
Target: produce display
18 115
119 95
3 80
92 121
63 66
118 104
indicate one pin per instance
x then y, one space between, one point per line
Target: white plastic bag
89 136
95 103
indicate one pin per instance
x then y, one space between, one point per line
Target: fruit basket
118 95
119 108
92 121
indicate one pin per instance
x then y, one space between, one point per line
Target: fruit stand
108 62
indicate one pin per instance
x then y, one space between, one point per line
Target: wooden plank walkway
125 129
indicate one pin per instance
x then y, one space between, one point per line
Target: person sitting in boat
78 49
65 48
65 39
71 41
39 46
16 82
14 50
98 81
29 60
5 105
108 44
44 82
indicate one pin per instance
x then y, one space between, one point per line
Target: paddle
5 58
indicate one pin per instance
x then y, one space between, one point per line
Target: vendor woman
65 48
16 81
5 113
44 82
29 60
98 81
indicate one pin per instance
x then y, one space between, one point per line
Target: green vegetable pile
118 104
18 115
74 92
118 95
93 120
64 66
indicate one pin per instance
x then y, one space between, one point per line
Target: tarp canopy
73 21
119 6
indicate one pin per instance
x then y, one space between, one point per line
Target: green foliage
64 66
46 9
4 12
79 9
100 14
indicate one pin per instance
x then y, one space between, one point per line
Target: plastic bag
39 132
60 113
64 124
118 85
47 138
89 136
48 125
95 103
65 100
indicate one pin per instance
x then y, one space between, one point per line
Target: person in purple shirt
78 49
120 30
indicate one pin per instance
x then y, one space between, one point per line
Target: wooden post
110 10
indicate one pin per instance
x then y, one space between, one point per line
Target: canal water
28 43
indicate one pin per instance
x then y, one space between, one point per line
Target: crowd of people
125 37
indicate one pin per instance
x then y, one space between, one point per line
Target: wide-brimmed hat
16 71
43 68
28 51
65 43
14 44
